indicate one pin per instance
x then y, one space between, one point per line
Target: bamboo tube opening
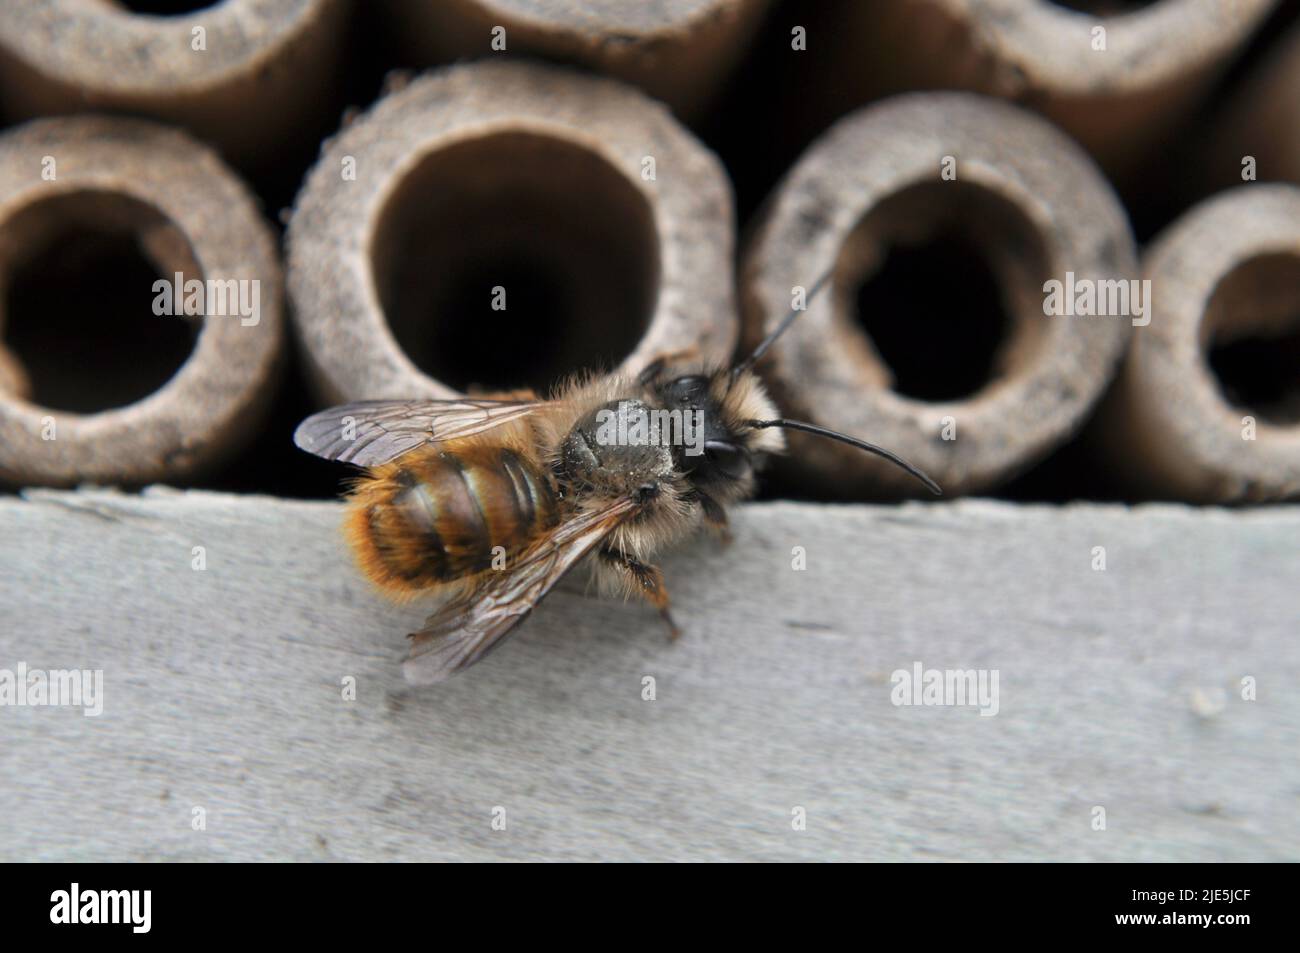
483 260
948 281
1104 8
1251 336
124 204
76 310
165 8
1206 407
504 224
1000 214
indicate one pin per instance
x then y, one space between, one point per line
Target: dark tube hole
514 260
935 315
167 8
77 309
948 280
1251 334
1262 375
1104 8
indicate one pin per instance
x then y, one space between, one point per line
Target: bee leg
715 517
645 581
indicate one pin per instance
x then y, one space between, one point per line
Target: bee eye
690 390
728 458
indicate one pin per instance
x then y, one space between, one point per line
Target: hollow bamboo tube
245 75
1257 133
1227 271
470 176
679 51
1118 80
896 175
160 190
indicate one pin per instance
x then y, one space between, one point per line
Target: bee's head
739 421
721 449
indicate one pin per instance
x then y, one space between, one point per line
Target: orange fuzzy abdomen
433 517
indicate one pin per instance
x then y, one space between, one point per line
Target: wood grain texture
223 691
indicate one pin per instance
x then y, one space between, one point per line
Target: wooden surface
223 691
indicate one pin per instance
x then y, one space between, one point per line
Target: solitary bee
492 501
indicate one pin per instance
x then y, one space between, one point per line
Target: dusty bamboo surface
680 51
164 192
1228 268
246 75
1118 689
429 159
1117 77
1017 189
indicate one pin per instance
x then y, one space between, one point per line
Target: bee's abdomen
434 517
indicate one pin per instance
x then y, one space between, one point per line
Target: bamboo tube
1015 193
173 202
1225 275
1117 79
679 51
498 209
1257 133
246 75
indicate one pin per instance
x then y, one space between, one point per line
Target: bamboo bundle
210 257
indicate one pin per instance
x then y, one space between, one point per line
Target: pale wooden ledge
222 690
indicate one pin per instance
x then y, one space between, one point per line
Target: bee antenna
780 329
852 442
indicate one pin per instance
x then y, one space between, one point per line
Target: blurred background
75 314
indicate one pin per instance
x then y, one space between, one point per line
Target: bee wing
469 626
370 432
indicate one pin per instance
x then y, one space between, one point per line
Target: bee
491 501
